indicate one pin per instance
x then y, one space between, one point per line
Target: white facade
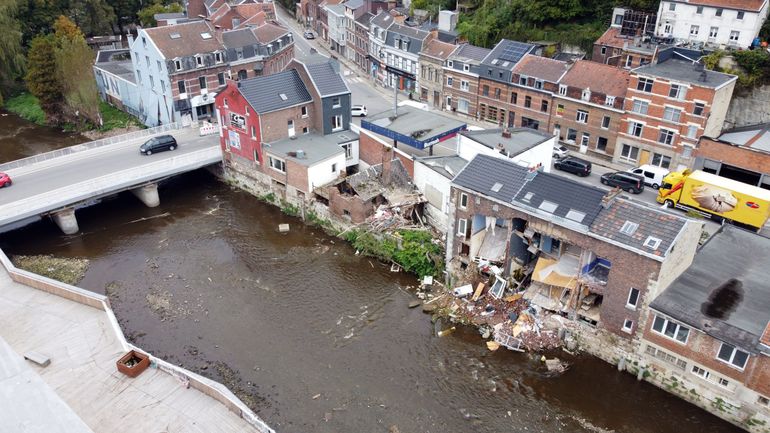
325 171
540 155
152 81
337 23
436 189
711 25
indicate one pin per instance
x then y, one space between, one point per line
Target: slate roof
169 16
757 137
354 4
416 37
365 19
437 49
447 166
336 9
651 222
584 73
263 93
383 20
317 147
470 52
736 261
507 51
564 192
541 67
239 38
476 177
190 41
326 79
684 71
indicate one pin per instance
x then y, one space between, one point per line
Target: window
670 329
464 85
606 122
584 140
527 101
305 130
178 65
202 82
601 144
199 61
731 355
633 298
253 133
514 98
571 135
582 116
609 101
466 67
764 401
162 86
276 164
586 95
640 106
538 84
629 153
635 129
652 243
698 109
666 136
347 146
461 226
629 61
497 93
665 356
463 105
699 11
713 32
218 57
719 12
485 90
723 382
463 200
740 15
336 102
645 85
563 88
147 60
334 167
694 30
692 131
629 228
181 86
548 206
604 49
450 80
677 91
661 160
544 106
672 114
628 325
221 78
523 81
336 122
152 82
734 35
139 76
450 63
560 110
700 372
672 6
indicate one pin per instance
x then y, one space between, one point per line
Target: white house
527 147
715 23
433 177
337 22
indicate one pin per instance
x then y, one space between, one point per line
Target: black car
626 181
577 166
158 144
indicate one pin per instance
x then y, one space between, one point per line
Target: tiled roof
476 177
565 193
256 20
766 336
724 293
410 32
471 52
599 77
651 222
747 5
264 93
189 42
541 67
438 49
611 38
269 32
326 79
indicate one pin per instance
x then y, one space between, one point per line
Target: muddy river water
318 339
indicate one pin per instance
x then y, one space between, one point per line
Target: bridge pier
148 194
66 221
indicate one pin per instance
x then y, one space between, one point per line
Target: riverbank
114 121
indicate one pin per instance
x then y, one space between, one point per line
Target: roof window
283 96
175 36
497 186
548 206
652 243
575 216
528 196
629 228
206 35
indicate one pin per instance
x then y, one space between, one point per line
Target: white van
652 174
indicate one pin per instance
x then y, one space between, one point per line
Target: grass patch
113 118
27 107
69 271
413 250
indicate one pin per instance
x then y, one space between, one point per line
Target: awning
560 273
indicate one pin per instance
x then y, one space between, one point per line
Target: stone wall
749 109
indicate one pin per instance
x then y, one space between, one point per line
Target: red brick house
256 51
461 95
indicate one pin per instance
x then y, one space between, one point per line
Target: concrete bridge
56 183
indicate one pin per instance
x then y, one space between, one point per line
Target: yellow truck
713 195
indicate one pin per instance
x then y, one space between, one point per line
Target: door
291 128
436 99
584 143
644 157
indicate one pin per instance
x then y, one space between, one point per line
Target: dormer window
199 61
450 63
586 95
218 57
562 89
538 84
523 80
178 65
609 101
466 67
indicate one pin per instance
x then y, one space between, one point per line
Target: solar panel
514 51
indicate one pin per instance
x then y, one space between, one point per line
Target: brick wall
352 206
456 92
275 125
373 151
566 118
491 106
249 145
191 79
733 155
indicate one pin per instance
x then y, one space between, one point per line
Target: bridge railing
90 145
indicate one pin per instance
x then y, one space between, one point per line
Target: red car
5 180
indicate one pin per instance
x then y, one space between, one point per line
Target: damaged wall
373 150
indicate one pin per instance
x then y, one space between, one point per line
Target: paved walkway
81 390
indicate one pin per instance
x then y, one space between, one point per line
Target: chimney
387 166
399 19
506 133
610 197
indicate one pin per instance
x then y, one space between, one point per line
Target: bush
113 118
413 250
27 107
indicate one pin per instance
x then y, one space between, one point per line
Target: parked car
652 174
308 35
626 181
560 151
574 165
358 110
5 180
158 144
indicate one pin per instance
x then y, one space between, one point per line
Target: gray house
330 93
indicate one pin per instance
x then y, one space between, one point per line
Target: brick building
708 333
593 258
588 107
432 59
462 92
360 43
256 51
742 154
627 43
669 104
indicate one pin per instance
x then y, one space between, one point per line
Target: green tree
73 59
94 17
41 77
37 16
11 52
147 15
125 11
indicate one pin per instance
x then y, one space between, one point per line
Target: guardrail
209 387
90 145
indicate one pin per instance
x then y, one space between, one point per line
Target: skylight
548 206
175 36
283 97
206 35
496 187
629 228
528 196
575 216
652 243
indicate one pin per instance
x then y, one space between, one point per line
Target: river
318 339
20 138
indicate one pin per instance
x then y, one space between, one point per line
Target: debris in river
66 270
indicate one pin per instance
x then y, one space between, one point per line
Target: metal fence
90 145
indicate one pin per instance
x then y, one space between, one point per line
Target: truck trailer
717 197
